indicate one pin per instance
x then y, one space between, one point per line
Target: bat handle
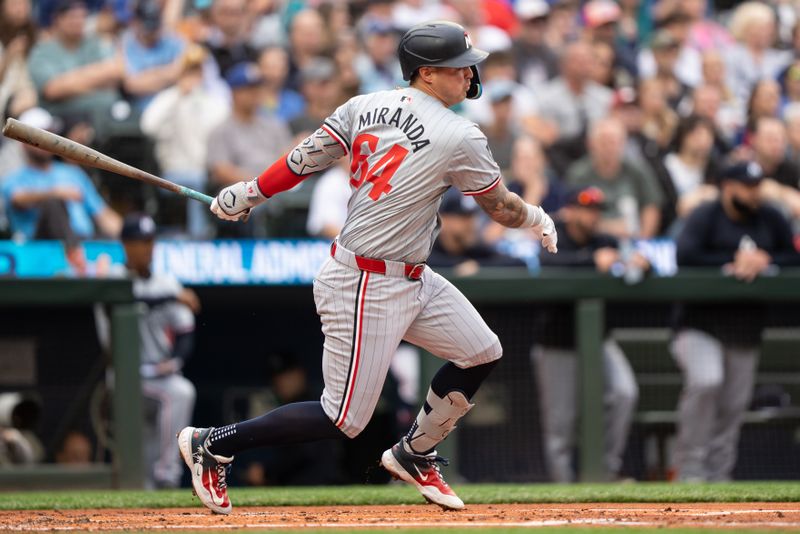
191 193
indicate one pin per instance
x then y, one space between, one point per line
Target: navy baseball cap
138 227
243 75
456 203
747 172
587 197
148 13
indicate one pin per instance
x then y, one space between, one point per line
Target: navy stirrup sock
294 423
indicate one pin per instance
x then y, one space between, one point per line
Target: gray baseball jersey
406 149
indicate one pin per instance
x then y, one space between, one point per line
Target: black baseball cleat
209 471
421 471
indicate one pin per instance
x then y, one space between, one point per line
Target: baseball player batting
406 148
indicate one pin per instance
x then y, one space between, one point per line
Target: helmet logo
467 40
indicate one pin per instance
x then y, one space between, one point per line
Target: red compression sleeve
279 177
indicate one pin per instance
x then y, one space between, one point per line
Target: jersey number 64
378 174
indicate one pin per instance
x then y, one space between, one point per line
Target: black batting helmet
440 44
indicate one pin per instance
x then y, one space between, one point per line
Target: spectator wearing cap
318 85
48 199
601 19
459 245
665 50
633 196
716 345
77 75
554 354
752 57
153 56
535 61
180 120
228 35
377 67
238 147
18 34
474 17
166 342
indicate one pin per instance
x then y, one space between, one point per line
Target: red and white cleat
421 471
209 471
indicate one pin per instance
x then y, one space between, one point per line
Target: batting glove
546 230
235 201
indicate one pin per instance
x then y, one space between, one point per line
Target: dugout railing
126 467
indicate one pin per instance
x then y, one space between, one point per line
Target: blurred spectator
328 207
239 147
555 356
267 27
786 13
75 449
571 103
459 245
659 120
17 36
600 18
377 67
732 110
690 169
665 49
472 15
166 339
501 132
752 58
562 25
77 75
277 100
228 37
19 416
764 102
180 120
152 55
47 10
407 13
307 41
704 33
790 84
318 85
633 196
535 62
791 116
707 103
782 175
716 345
530 178
50 199
603 64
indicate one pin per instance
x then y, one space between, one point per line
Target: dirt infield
739 515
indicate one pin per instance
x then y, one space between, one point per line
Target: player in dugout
406 148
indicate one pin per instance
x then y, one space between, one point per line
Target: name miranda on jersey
404 121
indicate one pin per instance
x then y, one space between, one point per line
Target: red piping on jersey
484 190
351 385
279 177
336 137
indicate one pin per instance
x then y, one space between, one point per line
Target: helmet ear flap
475 88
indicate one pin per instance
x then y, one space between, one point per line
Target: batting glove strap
235 201
544 227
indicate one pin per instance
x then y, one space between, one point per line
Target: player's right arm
510 210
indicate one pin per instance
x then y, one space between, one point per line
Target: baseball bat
83 154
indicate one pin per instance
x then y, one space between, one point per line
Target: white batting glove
546 230
235 201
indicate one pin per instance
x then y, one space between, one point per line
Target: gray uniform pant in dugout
717 387
557 372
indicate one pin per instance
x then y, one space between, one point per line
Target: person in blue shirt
48 199
153 57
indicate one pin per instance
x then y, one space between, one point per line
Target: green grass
401 494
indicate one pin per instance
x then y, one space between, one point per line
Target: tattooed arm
510 210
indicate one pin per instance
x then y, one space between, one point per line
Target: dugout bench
126 469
